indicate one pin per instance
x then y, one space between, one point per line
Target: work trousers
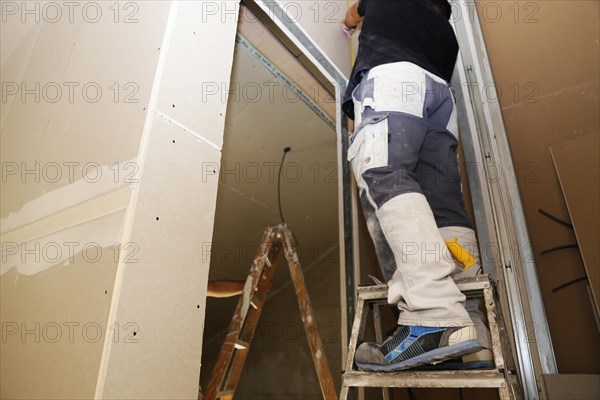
403 155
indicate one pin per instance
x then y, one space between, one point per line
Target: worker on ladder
403 154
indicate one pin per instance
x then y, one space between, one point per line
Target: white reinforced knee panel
422 285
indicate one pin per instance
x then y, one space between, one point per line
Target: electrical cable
564 285
285 151
555 219
564 246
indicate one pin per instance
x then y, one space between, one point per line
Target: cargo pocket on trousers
369 148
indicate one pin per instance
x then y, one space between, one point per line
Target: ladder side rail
308 316
490 305
239 357
235 326
509 357
358 328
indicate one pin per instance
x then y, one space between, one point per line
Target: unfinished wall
73 110
544 56
103 127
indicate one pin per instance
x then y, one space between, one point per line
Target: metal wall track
499 212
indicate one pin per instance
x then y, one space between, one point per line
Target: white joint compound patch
85 216
93 240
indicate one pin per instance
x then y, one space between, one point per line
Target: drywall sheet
76 81
54 323
572 386
163 281
545 102
74 93
320 20
162 290
577 163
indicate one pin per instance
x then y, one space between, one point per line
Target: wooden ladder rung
225 393
241 345
376 292
425 379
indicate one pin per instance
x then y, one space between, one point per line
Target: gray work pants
403 154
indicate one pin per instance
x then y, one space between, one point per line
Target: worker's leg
468 241
393 106
384 154
466 237
385 256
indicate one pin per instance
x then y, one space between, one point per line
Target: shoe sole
459 366
431 357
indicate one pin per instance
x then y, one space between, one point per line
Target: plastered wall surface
86 171
67 95
544 56
74 89
174 213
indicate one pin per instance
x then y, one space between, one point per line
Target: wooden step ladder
228 368
501 377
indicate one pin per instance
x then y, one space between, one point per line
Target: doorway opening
279 164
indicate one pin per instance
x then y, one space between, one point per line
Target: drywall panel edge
162 294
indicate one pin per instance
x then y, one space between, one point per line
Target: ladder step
241 345
374 292
425 379
377 292
225 393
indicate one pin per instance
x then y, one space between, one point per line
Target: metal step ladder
230 363
502 377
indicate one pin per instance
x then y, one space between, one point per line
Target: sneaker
412 346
